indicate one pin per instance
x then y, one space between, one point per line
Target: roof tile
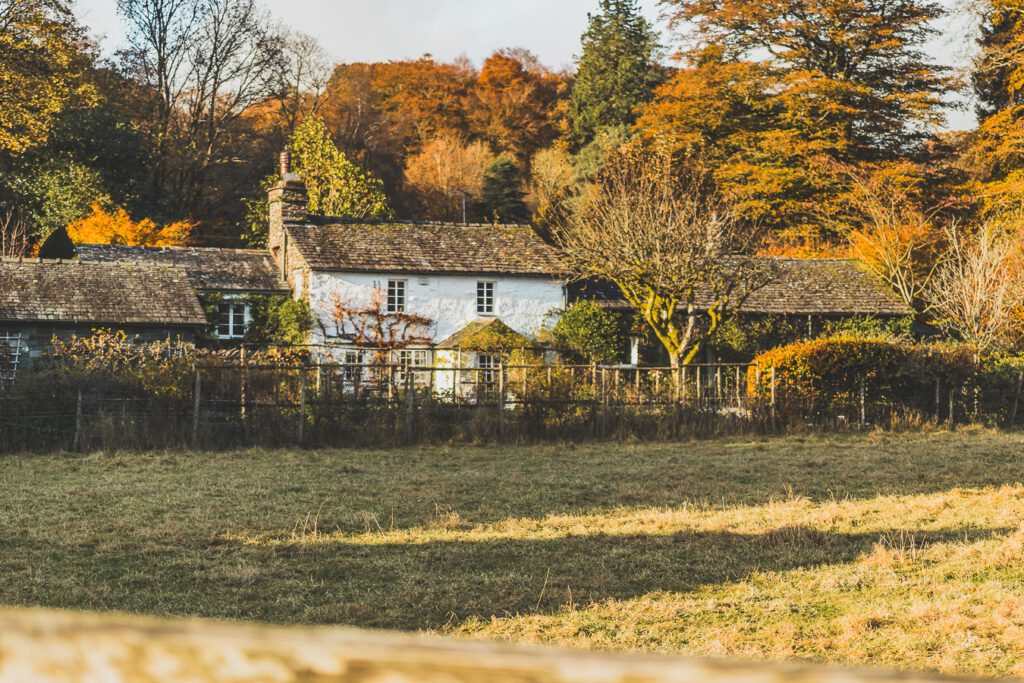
425 248
69 292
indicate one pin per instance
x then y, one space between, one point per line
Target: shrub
589 331
828 374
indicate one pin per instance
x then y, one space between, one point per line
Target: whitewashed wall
449 300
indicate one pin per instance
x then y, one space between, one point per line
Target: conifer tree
993 157
617 69
503 194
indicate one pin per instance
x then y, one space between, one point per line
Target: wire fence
239 404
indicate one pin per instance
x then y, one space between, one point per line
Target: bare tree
979 285
681 256
300 78
207 61
14 238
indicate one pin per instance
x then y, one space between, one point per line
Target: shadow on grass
431 584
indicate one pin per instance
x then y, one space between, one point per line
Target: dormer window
233 319
485 298
396 296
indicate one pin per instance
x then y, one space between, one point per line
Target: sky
381 30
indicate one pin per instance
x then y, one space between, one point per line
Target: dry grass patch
894 550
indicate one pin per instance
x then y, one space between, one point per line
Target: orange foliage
117 227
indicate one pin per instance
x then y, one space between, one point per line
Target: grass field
891 550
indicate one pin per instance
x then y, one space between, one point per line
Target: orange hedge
825 373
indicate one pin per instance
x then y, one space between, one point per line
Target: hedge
828 374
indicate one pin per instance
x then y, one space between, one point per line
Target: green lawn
889 550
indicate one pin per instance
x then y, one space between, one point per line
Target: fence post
302 407
391 381
863 405
1016 398
938 400
196 398
78 423
501 397
604 401
410 408
773 398
739 397
952 404
245 377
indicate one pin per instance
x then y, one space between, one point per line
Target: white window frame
397 296
486 301
489 365
233 307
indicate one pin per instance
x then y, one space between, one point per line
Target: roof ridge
403 221
177 247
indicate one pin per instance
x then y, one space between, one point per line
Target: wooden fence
234 403
53 647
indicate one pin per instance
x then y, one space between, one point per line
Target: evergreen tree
1000 65
503 194
993 157
617 69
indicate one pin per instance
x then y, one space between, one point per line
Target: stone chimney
288 204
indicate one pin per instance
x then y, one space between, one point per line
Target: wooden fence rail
55 647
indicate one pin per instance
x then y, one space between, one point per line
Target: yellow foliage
117 227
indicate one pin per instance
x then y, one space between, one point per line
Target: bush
827 374
590 332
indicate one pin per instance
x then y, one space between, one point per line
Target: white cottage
452 275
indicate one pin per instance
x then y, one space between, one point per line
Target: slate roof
71 292
428 248
795 287
469 336
208 268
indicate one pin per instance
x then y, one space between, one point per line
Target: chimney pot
286 163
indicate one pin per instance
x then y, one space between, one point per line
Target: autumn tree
445 172
116 227
680 255
617 69
43 63
423 99
994 154
336 186
773 93
551 189
892 234
514 104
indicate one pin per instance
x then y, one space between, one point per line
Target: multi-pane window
485 298
488 364
351 363
409 359
396 296
232 319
